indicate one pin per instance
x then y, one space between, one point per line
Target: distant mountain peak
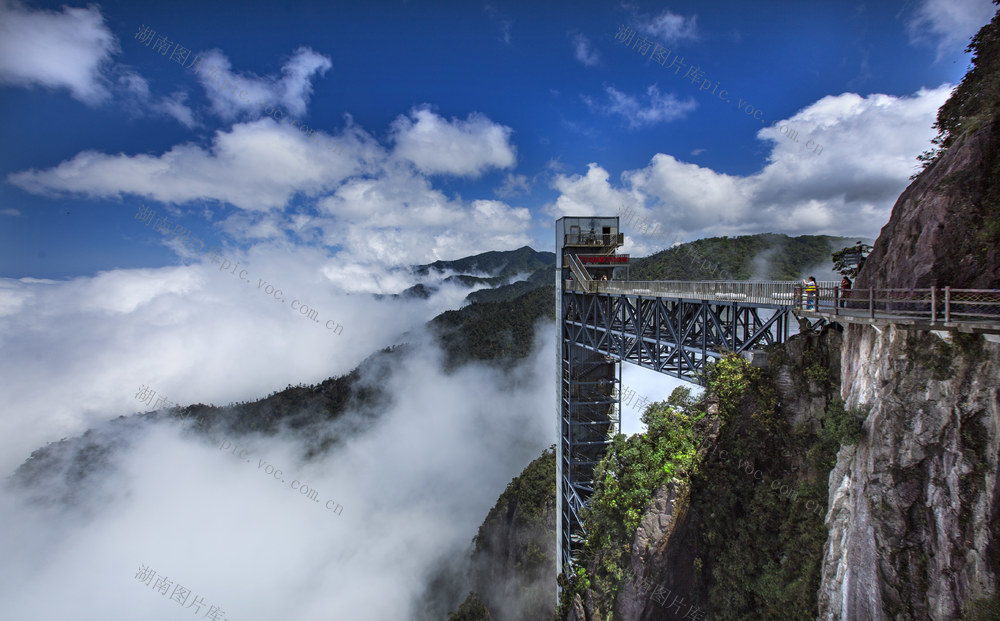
495 263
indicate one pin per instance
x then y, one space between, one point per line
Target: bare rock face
914 516
945 227
652 561
808 374
577 613
650 551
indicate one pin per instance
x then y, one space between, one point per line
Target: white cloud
76 351
869 149
399 218
9 212
174 106
462 148
589 195
584 52
698 196
55 50
950 23
255 225
260 165
365 199
73 50
669 27
233 94
419 476
255 166
656 109
514 185
139 99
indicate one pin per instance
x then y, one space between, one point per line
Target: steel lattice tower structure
588 381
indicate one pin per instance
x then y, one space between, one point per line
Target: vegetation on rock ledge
755 499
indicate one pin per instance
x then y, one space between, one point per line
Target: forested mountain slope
766 256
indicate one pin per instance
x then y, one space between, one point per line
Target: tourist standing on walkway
812 294
845 291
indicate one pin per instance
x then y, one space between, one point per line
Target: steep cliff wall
945 227
915 506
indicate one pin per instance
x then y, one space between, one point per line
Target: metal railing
580 273
935 305
594 239
932 305
781 293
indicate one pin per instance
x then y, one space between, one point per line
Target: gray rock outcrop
914 515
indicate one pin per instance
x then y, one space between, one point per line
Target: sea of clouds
414 485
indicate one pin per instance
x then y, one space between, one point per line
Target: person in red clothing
845 291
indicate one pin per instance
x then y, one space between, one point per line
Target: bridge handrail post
836 301
933 305
947 304
871 302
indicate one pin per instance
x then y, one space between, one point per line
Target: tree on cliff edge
977 96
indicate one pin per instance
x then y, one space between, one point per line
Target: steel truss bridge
675 328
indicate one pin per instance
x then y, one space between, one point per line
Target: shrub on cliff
633 469
977 97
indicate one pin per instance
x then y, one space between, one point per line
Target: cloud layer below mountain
413 488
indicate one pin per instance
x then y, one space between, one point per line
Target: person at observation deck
812 293
845 291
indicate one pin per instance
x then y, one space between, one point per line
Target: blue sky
462 127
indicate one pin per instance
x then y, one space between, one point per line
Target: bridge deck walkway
935 308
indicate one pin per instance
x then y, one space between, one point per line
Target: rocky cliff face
945 227
915 507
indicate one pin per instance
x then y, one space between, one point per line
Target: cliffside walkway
934 308
962 310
